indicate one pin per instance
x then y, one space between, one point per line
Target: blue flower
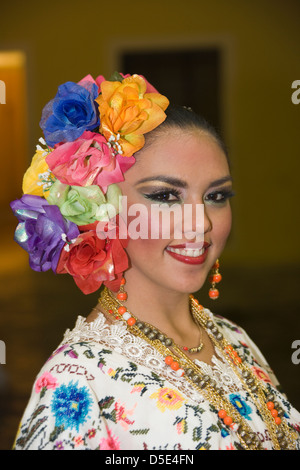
240 404
70 113
224 432
71 405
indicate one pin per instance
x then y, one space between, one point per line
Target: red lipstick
189 253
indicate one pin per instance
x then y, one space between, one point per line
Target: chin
189 286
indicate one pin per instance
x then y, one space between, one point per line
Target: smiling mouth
187 254
193 253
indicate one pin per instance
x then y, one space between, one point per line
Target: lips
190 253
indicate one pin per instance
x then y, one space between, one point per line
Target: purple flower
71 112
42 231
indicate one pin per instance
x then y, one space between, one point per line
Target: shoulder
245 347
64 401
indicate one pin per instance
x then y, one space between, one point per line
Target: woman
149 368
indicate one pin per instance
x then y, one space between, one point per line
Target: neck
165 309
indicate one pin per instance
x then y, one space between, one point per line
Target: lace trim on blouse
117 338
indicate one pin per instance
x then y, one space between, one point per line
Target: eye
219 197
168 195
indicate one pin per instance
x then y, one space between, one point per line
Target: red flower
93 261
261 374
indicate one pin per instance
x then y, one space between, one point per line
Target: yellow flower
37 177
127 112
167 398
111 372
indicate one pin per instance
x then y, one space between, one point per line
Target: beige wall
64 40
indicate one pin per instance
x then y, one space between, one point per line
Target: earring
214 278
122 295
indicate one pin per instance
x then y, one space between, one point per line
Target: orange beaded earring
214 278
122 295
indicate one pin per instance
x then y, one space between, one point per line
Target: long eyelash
156 195
226 194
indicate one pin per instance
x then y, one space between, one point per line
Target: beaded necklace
282 436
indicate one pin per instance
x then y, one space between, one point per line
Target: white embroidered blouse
105 389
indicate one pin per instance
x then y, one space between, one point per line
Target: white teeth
187 252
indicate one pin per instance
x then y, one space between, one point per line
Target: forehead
181 154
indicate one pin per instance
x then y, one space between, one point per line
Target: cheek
223 227
147 240
146 222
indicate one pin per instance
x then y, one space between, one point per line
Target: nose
196 222
207 224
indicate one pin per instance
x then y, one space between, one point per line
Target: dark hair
185 118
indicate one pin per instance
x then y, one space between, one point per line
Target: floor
36 309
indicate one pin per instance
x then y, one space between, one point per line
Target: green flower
85 205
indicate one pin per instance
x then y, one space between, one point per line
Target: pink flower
122 414
110 443
88 81
45 381
181 426
86 161
78 441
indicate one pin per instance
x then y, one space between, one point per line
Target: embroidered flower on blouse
122 414
181 426
111 372
261 374
91 433
138 387
167 398
78 441
109 443
46 381
240 404
59 445
71 405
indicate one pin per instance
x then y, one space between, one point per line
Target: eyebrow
165 179
182 184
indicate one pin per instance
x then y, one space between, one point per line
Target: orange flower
127 112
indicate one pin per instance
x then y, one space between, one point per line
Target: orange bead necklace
282 436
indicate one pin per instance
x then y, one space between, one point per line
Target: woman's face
189 169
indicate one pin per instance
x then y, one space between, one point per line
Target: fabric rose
87 161
71 112
149 88
92 261
42 231
85 205
38 178
127 111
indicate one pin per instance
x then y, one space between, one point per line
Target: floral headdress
91 131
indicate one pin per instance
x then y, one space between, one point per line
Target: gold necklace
281 435
195 349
